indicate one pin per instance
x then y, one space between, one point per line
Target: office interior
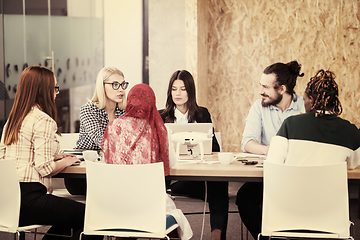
225 44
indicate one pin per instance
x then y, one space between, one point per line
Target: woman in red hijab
140 136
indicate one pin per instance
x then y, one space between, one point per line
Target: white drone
191 139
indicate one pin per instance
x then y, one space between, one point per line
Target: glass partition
66 35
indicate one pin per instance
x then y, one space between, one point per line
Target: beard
272 101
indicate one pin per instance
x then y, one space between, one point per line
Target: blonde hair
99 97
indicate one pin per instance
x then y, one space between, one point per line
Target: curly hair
325 93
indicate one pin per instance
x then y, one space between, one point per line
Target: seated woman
140 137
107 104
29 137
181 107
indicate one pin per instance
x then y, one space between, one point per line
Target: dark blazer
205 118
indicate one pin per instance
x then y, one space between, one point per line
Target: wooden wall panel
242 37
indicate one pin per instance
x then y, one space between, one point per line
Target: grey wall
166 44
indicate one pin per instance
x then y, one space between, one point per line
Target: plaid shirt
93 122
35 149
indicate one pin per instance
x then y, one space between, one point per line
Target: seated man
278 102
318 137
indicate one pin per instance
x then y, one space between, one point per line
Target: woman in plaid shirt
29 137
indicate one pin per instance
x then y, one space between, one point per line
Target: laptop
192 127
77 152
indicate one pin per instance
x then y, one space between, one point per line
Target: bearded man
278 102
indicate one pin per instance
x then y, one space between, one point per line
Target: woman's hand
70 160
62 155
64 162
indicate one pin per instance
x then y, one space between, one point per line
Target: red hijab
141 128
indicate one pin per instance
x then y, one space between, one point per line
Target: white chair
10 201
126 200
305 201
68 140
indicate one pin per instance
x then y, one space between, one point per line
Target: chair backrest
68 140
121 197
10 196
306 198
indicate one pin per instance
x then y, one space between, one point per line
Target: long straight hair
36 87
194 113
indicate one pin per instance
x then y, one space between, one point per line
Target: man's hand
256 148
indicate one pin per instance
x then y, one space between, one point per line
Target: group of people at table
130 130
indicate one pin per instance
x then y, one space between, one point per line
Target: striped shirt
35 149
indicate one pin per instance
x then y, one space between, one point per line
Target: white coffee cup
225 157
90 155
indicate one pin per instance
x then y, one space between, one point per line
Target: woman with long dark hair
181 107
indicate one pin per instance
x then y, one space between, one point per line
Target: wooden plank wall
237 39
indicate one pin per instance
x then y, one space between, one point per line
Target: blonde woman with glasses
107 104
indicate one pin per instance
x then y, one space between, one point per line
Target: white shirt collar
293 104
326 112
180 117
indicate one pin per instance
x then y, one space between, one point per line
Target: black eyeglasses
57 88
116 85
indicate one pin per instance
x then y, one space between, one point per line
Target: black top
205 118
328 128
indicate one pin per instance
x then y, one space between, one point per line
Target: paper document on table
249 155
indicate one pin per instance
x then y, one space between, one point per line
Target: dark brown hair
194 113
325 93
286 74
